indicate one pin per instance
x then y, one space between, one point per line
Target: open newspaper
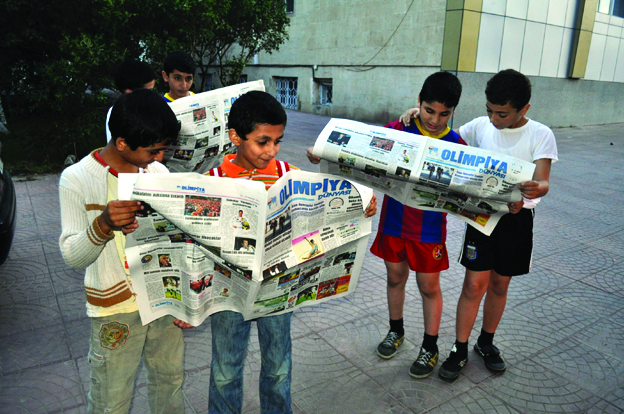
472 184
207 244
203 138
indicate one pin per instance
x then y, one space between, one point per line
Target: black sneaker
491 357
388 348
424 364
449 371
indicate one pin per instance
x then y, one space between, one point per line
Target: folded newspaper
203 138
207 244
472 184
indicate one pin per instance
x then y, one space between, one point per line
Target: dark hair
442 87
509 86
253 108
133 74
180 61
143 118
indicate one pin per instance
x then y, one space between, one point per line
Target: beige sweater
83 192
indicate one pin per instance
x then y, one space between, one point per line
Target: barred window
290 6
325 92
286 92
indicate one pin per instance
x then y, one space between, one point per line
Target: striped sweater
83 193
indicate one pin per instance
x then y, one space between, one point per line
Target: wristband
100 233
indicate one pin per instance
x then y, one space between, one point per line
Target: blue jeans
230 336
118 342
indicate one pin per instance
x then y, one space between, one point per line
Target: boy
257 121
491 261
412 239
178 73
132 74
94 225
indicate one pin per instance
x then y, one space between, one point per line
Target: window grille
290 6
325 93
286 92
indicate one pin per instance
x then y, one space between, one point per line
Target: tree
58 56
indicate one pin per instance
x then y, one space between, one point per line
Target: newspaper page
203 138
207 244
472 184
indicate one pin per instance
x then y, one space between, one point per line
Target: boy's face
506 116
434 116
179 83
260 147
142 156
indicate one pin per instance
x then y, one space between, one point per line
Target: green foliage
58 56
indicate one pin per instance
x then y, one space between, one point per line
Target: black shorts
507 251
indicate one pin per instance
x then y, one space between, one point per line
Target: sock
430 343
485 339
396 325
461 349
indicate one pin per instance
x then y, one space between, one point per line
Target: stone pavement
561 334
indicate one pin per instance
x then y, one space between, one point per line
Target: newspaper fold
472 184
207 244
203 138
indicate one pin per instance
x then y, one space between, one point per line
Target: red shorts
421 257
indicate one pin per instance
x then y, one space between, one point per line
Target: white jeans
117 344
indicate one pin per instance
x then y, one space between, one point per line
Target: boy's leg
275 373
398 273
230 335
475 286
163 354
115 350
429 287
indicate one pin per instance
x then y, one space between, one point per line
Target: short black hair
133 74
442 87
181 61
509 86
143 118
253 108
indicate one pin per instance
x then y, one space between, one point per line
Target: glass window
325 92
613 7
290 6
286 92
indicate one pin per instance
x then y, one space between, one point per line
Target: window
613 7
290 6
286 92
208 85
325 92
242 79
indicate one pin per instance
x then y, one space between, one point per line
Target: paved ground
562 333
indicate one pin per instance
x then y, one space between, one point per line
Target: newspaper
203 140
472 184
207 244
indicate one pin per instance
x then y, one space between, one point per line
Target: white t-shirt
108 133
530 142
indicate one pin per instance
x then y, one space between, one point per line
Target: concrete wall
555 102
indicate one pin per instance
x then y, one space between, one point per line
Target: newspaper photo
207 244
472 184
203 140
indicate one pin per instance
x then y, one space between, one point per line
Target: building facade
367 59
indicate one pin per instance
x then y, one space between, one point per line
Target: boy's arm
539 186
82 240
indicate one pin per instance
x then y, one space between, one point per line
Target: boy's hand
313 158
371 210
408 115
514 208
120 214
181 324
530 189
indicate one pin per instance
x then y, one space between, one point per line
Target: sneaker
424 364
449 371
388 348
491 357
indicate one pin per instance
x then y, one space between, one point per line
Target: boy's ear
120 144
236 140
165 76
524 110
